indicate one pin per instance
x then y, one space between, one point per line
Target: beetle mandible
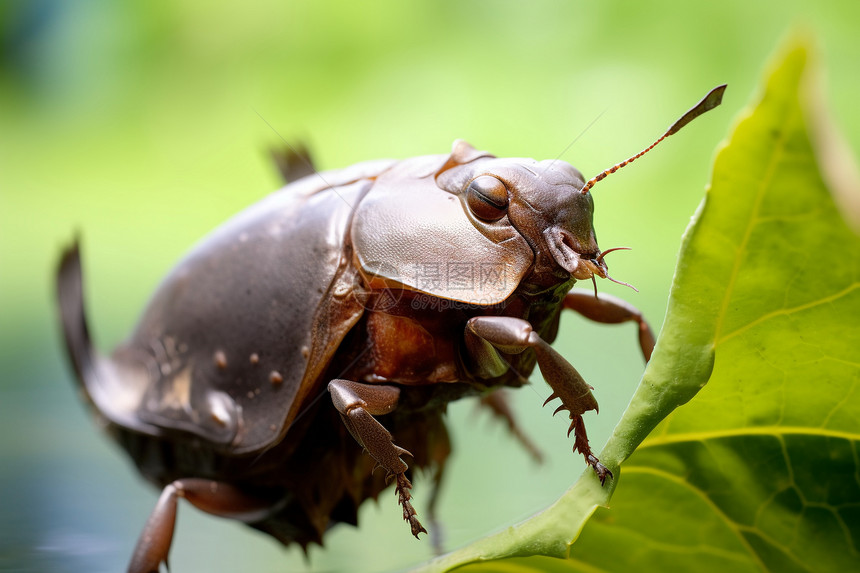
399 286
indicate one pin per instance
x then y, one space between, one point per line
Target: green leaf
760 470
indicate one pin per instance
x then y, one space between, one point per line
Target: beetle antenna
622 283
709 102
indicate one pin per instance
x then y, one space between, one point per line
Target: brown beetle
397 285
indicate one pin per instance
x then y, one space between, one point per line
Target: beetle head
546 202
557 220
542 201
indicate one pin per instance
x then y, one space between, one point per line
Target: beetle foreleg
357 404
213 497
485 362
513 335
607 309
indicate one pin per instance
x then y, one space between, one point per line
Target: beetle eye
487 198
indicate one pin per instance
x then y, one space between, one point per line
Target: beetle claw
601 470
552 396
401 451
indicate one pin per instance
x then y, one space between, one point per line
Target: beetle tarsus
409 513
580 444
580 438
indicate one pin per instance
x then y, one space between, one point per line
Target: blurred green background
136 124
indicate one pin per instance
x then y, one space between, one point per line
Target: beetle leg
512 335
357 404
439 455
293 161
485 362
213 497
497 403
607 309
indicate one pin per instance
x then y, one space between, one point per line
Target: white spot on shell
220 359
254 358
222 410
275 377
341 289
177 396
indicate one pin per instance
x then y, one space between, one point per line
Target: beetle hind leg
497 403
357 404
439 455
213 497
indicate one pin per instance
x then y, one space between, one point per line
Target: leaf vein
778 149
708 501
846 399
775 431
846 530
788 311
